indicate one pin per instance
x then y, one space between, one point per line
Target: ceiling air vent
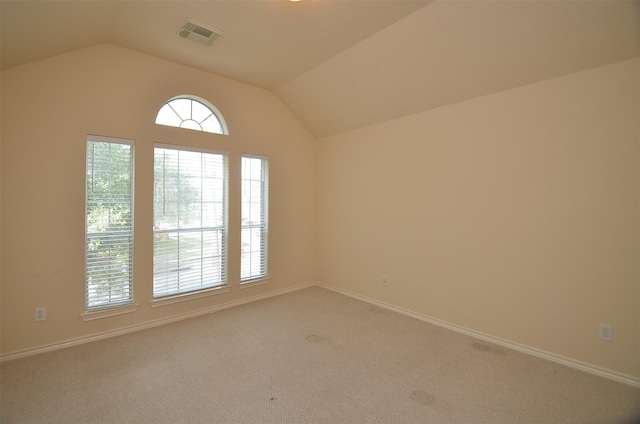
199 33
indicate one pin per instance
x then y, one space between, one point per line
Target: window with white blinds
254 232
189 221
109 222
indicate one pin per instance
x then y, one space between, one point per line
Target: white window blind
254 232
109 222
189 221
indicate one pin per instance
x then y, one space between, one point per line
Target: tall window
109 222
193 113
253 263
189 221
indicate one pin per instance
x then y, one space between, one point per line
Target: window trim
105 309
107 312
214 111
265 277
192 295
257 281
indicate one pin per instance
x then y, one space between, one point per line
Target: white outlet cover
41 314
606 332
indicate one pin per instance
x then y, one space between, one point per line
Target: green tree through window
189 220
109 222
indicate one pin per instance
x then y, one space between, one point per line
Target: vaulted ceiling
343 64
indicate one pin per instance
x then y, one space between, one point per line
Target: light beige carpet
312 356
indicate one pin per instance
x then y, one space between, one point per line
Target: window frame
157 297
128 300
224 129
263 226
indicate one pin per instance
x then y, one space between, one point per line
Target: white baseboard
592 369
151 324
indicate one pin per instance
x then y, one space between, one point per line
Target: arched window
193 113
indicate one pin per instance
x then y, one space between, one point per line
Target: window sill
255 282
108 312
183 297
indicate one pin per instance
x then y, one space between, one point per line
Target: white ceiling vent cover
199 33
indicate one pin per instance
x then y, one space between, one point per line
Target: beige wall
49 107
515 214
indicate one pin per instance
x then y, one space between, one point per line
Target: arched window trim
214 111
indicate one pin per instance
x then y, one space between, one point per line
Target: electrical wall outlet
606 332
41 314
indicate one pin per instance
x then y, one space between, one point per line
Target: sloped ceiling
343 64
456 50
265 42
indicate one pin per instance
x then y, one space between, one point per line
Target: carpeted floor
311 356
